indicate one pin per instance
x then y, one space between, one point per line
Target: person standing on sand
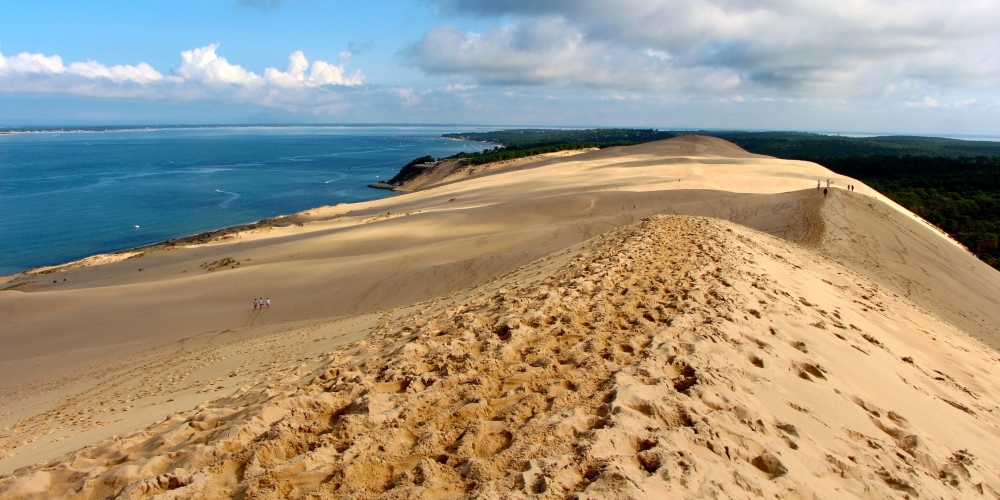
818 183
824 192
269 302
254 304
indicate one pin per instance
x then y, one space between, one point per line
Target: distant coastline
98 129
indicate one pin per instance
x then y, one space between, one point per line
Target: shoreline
63 259
201 238
281 220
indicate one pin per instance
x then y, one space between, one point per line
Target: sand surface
522 329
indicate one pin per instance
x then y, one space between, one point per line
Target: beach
679 317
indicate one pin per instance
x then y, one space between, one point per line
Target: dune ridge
674 356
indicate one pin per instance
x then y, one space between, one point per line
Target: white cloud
293 76
972 103
201 74
33 63
551 51
459 87
141 73
320 73
205 66
324 73
39 64
809 48
617 96
659 54
930 102
407 94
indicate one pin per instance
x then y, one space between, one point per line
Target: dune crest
679 356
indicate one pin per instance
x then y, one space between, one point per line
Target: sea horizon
460 127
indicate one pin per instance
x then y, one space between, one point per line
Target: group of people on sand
261 303
819 184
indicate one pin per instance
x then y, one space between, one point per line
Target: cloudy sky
910 66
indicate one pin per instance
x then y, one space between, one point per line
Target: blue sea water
64 196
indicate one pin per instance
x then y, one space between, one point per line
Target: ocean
65 196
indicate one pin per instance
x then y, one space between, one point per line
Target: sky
849 66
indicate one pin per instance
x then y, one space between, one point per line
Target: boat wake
228 201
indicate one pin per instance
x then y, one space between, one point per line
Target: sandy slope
122 344
913 261
674 356
450 170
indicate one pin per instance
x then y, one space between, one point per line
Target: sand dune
497 335
673 356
